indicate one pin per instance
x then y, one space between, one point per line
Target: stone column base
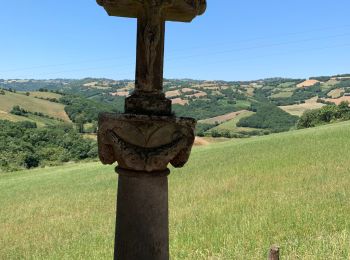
142 231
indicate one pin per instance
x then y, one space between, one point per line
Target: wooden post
274 253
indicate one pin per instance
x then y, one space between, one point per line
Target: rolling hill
232 201
231 125
299 109
206 101
35 102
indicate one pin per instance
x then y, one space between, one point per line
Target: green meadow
231 125
232 201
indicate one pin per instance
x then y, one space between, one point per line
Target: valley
224 111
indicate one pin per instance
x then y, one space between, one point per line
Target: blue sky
233 40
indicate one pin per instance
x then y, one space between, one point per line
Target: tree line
327 114
24 145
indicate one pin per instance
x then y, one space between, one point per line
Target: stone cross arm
173 10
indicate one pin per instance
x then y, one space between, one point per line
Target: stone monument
147 137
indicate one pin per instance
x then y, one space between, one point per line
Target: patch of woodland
19 111
24 145
330 113
270 117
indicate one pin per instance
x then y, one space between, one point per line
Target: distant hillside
32 85
33 102
199 99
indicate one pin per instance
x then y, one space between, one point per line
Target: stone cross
151 15
147 137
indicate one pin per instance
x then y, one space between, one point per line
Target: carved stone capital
145 143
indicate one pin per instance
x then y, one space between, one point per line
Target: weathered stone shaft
142 231
148 97
150 52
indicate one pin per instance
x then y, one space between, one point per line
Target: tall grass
232 201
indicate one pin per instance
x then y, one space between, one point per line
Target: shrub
308 119
201 128
215 133
17 110
31 161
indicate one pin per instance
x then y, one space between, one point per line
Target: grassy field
40 94
231 125
298 110
40 121
223 118
232 201
8 116
242 104
286 85
32 104
336 93
285 94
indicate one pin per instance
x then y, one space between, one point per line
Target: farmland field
336 93
40 94
231 125
40 121
285 94
299 109
223 118
337 101
32 104
232 201
8 116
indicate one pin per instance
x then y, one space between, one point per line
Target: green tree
80 121
17 110
310 118
328 113
215 133
344 110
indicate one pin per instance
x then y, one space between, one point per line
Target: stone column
143 146
147 137
142 216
